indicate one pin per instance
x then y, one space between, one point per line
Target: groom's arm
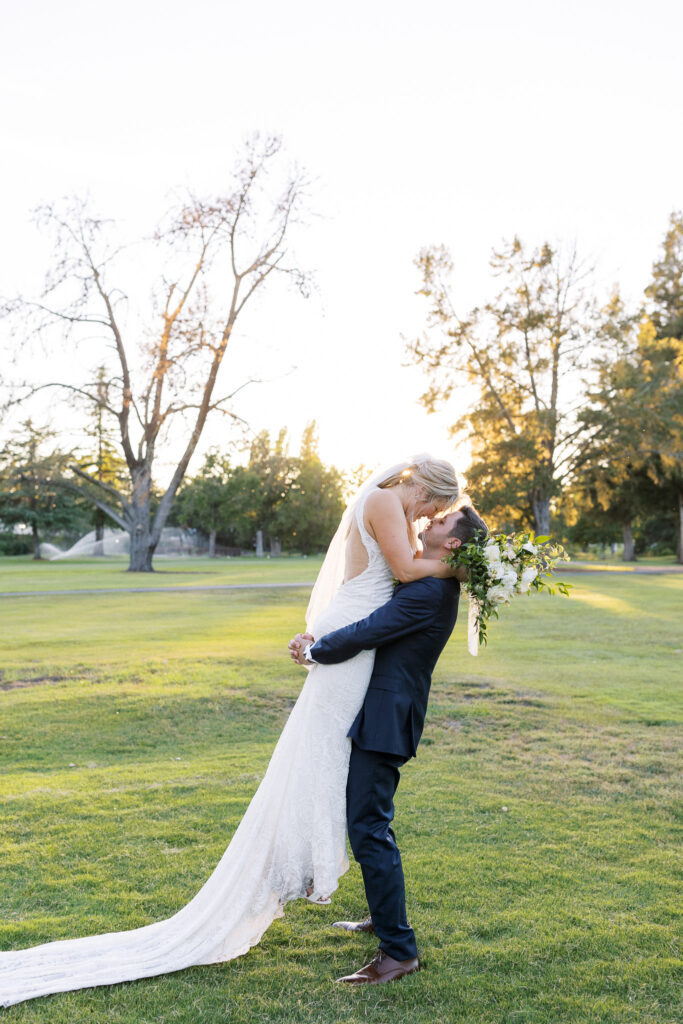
412 608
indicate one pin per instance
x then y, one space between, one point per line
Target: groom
409 633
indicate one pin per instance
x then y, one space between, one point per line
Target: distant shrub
15 544
661 547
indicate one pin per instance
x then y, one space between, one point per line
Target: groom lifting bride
409 633
335 767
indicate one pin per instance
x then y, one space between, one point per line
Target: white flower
492 553
528 577
499 594
510 553
509 578
529 547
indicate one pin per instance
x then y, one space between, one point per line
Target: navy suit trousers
372 783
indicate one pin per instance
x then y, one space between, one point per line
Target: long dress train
291 839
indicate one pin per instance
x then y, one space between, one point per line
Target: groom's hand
297 645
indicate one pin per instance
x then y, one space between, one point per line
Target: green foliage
631 465
665 291
32 493
295 500
15 544
222 499
575 406
519 350
275 469
102 466
312 506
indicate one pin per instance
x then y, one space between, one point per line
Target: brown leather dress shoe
381 968
356 926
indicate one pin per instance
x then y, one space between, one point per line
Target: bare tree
216 254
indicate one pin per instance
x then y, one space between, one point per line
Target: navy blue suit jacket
409 632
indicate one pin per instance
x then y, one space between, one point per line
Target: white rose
509 578
529 547
510 553
499 594
492 553
528 577
497 571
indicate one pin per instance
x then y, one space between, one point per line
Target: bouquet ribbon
473 626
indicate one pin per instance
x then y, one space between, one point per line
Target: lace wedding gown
291 839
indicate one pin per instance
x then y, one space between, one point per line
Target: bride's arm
387 524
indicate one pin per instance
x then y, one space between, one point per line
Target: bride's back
359 545
357 558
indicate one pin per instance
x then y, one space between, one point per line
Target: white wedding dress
292 838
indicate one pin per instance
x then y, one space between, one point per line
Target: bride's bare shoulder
382 502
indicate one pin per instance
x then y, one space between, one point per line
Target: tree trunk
141 547
629 554
99 531
36 542
541 510
680 528
142 543
212 544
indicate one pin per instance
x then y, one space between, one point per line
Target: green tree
608 501
631 457
313 503
524 352
657 398
221 501
275 469
665 292
103 464
295 501
606 485
31 490
662 369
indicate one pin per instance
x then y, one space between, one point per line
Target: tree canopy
31 491
579 406
295 501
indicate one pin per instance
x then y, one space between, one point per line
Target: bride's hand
449 572
296 647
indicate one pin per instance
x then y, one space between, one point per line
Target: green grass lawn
615 560
24 574
537 825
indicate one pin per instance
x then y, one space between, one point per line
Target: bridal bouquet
500 567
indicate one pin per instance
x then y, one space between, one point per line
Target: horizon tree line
576 428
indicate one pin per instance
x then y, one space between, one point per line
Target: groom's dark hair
469 525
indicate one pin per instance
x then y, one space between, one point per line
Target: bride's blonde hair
436 476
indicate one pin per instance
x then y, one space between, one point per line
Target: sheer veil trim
331 575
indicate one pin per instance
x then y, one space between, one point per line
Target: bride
291 841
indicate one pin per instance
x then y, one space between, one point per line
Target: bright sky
450 122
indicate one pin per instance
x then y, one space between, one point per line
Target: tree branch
109 488
107 509
69 387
